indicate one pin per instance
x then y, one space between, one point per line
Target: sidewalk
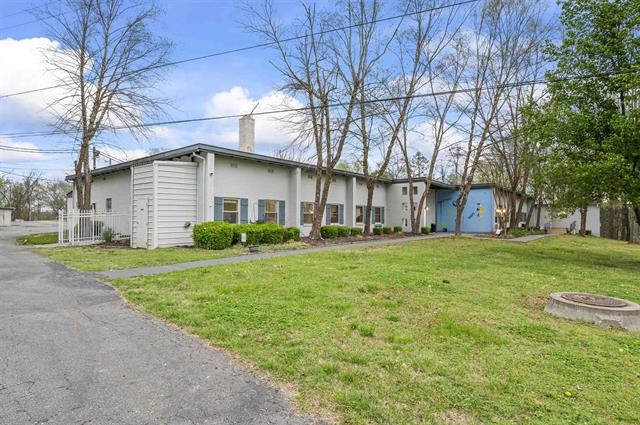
146 271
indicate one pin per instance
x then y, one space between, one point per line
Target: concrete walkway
522 239
72 352
147 271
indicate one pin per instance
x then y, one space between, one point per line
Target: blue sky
226 84
229 84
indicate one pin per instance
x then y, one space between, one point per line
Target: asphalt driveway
72 352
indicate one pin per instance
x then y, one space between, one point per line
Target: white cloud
237 100
24 67
17 156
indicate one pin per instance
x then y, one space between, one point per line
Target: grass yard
38 239
98 258
440 331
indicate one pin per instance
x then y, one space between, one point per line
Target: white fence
77 226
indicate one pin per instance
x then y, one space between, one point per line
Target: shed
5 216
163 204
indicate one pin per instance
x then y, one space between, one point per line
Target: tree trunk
583 221
367 211
636 209
626 223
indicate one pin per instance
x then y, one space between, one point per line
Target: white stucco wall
593 219
398 205
5 216
234 178
116 186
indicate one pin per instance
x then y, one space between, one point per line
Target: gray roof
201 147
234 153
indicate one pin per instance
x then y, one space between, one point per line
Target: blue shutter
327 214
217 208
341 213
260 210
244 211
301 214
281 212
382 215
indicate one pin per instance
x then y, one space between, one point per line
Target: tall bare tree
108 63
430 63
324 70
505 34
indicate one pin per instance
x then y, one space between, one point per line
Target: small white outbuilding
5 216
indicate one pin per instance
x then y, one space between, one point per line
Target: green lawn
439 331
38 239
97 258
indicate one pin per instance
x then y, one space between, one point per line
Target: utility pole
96 153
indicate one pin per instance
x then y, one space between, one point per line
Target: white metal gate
77 226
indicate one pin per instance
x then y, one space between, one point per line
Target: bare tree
429 61
55 195
506 32
324 70
25 195
108 62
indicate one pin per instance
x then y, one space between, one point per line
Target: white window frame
361 215
305 214
108 204
376 211
225 211
404 191
415 190
272 214
337 211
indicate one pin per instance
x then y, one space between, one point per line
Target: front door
142 223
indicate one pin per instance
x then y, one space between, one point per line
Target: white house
167 193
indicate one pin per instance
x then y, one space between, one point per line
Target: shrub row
334 231
220 235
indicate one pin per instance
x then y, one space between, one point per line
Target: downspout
203 183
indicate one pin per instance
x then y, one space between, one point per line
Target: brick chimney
247 133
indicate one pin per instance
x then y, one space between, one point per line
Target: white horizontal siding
142 192
176 187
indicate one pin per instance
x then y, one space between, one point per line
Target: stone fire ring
598 309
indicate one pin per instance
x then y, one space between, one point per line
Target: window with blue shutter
217 208
281 212
341 213
260 210
244 210
327 214
301 214
382 215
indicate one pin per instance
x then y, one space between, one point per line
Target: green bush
329 232
387 230
425 230
213 235
253 232
518 232
377 230
291 234
588 232
107 235
272 233
357 231
534 229
397 229
344 231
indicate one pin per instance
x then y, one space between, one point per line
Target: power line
11 173
33 150
266 44
33 21
26 10
333 105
